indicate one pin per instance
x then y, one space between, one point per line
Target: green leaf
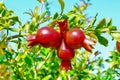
14 29
15 18
43 14
101 24
90 25
61 2
55 15
28 60
116 36
102 40
19 43
36 11
109 23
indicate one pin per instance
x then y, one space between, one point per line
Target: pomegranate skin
118 46
48 37
32 40
64 52
74 38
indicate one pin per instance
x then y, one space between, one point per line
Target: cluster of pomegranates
65 41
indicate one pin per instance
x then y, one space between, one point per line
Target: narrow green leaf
55 15
90 25
61 2
109 23
28 60
101 24
102 40
36 11
43 14
14 29
15 18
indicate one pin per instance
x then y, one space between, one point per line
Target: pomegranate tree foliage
18 61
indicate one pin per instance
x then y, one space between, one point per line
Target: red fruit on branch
64 52
74 38
88 44
65 64
118 46
48 37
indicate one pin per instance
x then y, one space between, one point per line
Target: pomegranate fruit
47 37
64 52
118 46
74 38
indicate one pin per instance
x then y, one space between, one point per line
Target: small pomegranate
74 38
47 37
118 46
64 52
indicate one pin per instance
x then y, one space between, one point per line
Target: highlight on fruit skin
118 46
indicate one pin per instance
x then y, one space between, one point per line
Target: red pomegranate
74 38
64 52
47 37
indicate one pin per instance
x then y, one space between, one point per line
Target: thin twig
40 65
16 36
42 2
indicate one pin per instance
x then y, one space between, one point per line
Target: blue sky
104 8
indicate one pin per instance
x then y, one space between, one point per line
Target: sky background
105 9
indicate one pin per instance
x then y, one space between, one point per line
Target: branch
16 36
42 2
117 31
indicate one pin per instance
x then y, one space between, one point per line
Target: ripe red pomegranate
47 37
64 52
74 38
118 46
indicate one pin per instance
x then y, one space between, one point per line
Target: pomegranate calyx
65 64
32 40
88 44
62 25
